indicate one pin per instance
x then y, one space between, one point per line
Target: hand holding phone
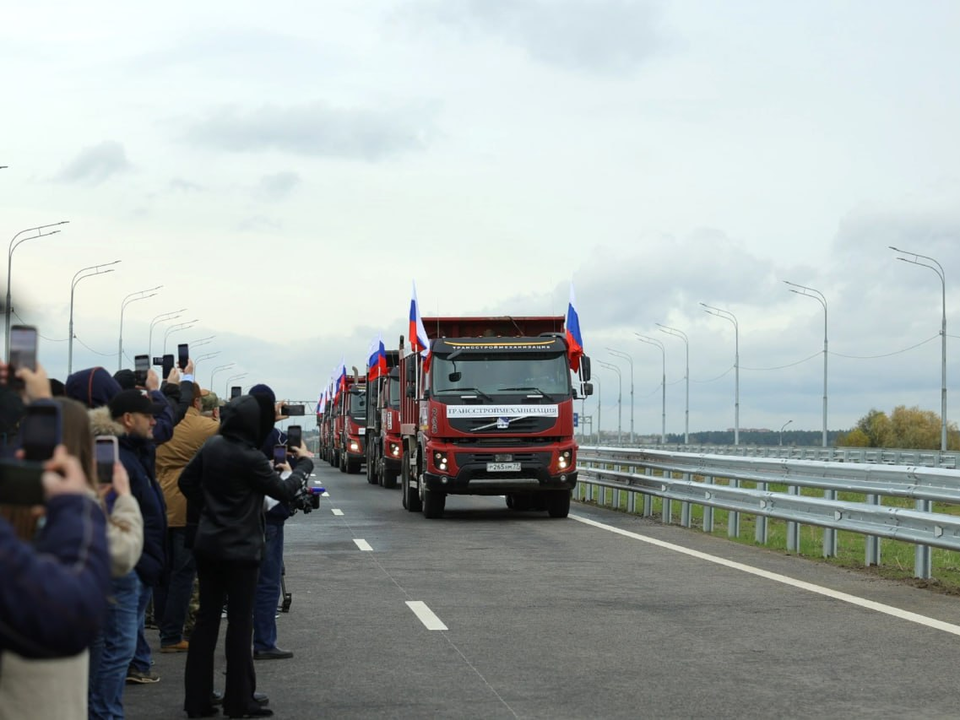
235 392
183 355
106 455
294 436
141 365
40 430
167 366
279 454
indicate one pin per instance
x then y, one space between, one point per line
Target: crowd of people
184 512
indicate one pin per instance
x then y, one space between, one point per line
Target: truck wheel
510 501
332 458
433 502
371 472
558 503
522 502
411 498
388 478
342 457
353 466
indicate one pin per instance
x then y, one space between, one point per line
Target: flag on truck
574 339
322 402
377 363
418 333
341 382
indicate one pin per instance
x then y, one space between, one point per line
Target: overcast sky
285 170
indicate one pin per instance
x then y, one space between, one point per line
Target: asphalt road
567 618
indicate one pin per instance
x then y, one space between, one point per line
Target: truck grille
489 425
529 457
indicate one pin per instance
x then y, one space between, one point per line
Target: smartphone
183 355
292 410
21 483
40 430
141 365
167 365
235 392
23 349
105 454
279 454
294 436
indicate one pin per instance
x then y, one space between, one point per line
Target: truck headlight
440 460
394 449
565 459
355 446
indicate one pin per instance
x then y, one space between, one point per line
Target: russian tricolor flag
574 338
322 402
377 363
341 382
418 333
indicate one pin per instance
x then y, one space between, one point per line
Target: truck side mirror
587 389
585 368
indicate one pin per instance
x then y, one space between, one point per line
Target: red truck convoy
488 410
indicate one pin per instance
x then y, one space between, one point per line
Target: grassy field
896 558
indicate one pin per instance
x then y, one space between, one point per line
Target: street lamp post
201 342
686 377
781 431
161 318
77 277
727 315
176 328
131 298
226 392
819 297
218 369
196 362
663 385
14 243
629 359
938 269
611 366
923 562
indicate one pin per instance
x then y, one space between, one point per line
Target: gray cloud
606 36
95 164
315 129
184 186
278 185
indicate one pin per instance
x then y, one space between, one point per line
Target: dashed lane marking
426 615
336 511
363 545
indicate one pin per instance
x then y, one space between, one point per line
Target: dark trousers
171 602
219 579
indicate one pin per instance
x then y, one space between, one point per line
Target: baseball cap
208 401
134 401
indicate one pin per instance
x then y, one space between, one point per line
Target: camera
289 410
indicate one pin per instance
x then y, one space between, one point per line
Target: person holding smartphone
225 484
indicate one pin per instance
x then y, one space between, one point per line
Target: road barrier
714 481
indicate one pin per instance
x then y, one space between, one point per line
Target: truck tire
388 478
371 472
342 458
332 458
558 503
353 466
411 498
433 502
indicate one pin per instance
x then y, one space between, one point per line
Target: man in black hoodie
225 484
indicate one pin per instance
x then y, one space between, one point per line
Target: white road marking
363 545
336 511
326 494
776 577
426 615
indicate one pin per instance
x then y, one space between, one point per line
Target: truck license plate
503 467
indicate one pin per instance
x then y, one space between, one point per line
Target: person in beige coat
171 602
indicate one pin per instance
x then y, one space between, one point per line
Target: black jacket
226 481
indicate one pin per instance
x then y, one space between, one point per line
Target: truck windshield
501 374
358 406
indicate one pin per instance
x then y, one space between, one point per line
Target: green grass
896 558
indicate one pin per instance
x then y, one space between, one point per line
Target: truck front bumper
478 481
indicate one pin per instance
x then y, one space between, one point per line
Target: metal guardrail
691 479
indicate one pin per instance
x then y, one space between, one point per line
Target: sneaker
142 678
179 647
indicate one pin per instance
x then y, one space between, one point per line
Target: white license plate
503 467
362 431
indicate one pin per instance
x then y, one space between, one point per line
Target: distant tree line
909 428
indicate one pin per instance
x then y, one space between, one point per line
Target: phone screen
23 348
294 436
105 455
167 365
279 454
40 431
235 392
183 355
21 483
141 365
292 410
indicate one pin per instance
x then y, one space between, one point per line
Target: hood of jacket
248 418
102 425
93 387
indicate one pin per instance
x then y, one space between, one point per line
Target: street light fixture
663 384
131 298
218 369
176 328
226 392
686 377
201 341
781 431
161 318
629 359
727 315
196 363
938 269
611 366
14 243
77 277
819 297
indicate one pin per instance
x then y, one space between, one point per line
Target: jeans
142 660
118 643
172 602
268 590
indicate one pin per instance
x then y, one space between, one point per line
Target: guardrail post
685 506
872 542
666 506
793 529
760 529
707 510
632 501
829 534
922 563
647 505
733 518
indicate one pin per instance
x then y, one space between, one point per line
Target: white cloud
95 164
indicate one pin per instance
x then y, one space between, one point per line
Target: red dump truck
383 425
489 411
349 424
